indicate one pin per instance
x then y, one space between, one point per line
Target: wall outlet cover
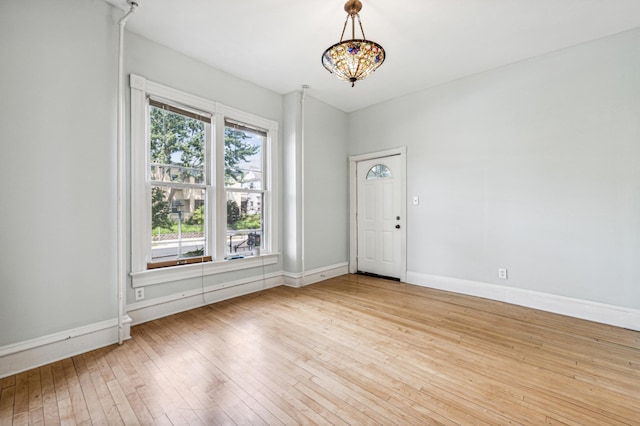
139 293
503 273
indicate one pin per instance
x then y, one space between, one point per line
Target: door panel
378 216
387 201
387 247
369 246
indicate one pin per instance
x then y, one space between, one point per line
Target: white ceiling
277 44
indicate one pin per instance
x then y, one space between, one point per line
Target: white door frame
353 203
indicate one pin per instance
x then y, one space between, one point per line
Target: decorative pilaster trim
297 279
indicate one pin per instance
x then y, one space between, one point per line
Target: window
180 184
379 171
244 187
202 186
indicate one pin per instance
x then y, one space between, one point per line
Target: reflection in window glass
243 163
177 220
176 147
244 222
379 171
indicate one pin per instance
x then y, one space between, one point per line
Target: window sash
252 191
264 173
197 115
180 185
185 252
237 125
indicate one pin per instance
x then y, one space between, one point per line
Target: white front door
379 220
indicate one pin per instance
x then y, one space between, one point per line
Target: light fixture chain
353 28
344 28
361 30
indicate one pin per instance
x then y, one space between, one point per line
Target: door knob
397 226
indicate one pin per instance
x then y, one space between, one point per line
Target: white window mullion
220 217
210 215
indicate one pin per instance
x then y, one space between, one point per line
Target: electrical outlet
139 293
502 273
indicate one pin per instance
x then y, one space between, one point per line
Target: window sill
176 273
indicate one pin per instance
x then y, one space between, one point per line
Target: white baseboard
593 311
22 356
299 279
149 310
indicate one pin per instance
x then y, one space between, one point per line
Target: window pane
178 216
243 158
379 171
177 147
244 223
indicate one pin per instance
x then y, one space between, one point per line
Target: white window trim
141 89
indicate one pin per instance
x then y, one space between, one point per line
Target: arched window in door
379 171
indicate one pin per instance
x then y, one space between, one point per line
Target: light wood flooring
350 350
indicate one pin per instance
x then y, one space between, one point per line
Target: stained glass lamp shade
353 60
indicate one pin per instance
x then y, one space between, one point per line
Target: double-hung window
180 183
202 186
244 184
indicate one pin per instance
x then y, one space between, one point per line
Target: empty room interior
319 212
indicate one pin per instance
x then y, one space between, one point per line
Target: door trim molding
353 202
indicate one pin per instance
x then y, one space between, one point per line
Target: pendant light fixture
353 60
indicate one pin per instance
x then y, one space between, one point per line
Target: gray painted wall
326 222
533 167
58 105
163 65
326 185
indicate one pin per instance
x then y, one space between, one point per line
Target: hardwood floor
350 350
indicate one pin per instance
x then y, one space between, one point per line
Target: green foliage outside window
237 220
176 140
177 152
173 229
249 221
236 153
198 217
160 210
233 214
